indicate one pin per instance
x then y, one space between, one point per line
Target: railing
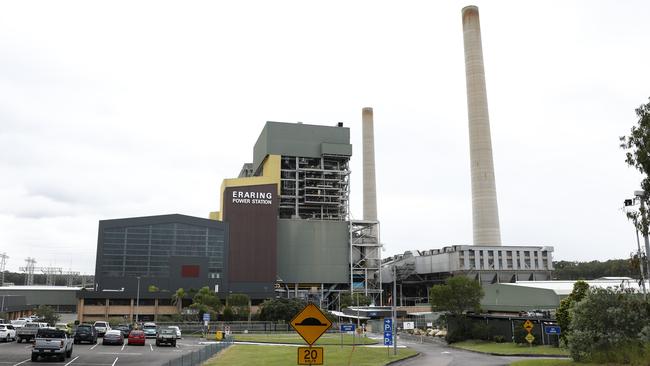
198 357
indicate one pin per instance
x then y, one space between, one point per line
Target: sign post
528 325
206 322
347 328
388 333
311 324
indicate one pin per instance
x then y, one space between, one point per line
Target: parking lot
15 354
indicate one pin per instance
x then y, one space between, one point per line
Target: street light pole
137 302
394 309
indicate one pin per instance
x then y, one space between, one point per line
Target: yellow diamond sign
530 338
528 325
311 323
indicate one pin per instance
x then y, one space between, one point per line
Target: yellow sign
530 338
310 355
528 325
311 323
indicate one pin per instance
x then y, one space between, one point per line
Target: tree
153 288
348 300
47 314
239 304
563 313
177 299
280 309
610 325
458 295
206 301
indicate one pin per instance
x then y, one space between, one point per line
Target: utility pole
137 302
3 263
394 309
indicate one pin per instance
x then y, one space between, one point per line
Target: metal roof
564 288
39 288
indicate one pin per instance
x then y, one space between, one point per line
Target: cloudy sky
121 109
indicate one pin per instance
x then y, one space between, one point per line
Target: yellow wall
270 175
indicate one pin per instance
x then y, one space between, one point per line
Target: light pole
394 309
137 302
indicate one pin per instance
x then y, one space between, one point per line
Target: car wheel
157 344
174 344
7 339
19 340
34 357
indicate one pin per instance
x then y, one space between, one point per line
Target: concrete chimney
369 182
485 212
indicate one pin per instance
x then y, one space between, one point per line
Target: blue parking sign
388 325
388 338
206 317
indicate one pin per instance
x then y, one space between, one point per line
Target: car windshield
100 324
50 333
18 322
149 327
31 325
83 328
167 331
3 327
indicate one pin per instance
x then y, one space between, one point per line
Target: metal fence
198 357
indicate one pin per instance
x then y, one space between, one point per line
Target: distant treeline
565 270
18 279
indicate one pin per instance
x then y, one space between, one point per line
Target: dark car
85 333
166 336
125 329
113 336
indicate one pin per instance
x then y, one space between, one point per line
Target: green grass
547 362
243 354
294 338
510 348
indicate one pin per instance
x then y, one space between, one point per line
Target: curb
511 354
396 362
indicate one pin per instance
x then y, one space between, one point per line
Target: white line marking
71 361
150 346
114 362
96 344
22 362
123 344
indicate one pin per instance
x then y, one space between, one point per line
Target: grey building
61 298
166 251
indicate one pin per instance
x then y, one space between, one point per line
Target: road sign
388 338
530 338
310 355
552 329
388 325
409 325
347 327
311 323
528 325
206 317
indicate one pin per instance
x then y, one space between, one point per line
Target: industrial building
21 300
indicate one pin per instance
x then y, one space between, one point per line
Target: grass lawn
243 354
294 338
510 348
547 362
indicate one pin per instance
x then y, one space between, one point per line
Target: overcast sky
122 109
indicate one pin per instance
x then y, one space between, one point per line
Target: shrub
481 331
499 339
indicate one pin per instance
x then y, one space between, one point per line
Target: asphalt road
14 354
432 354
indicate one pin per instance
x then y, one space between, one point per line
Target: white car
101 327
7 332
19 323
177 330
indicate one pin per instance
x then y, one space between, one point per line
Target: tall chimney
369 184
485 212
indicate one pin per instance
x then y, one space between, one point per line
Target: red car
136 337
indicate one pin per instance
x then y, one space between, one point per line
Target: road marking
114 362
22 362
123 344
119 354
96 344
71 361
445 352
150 346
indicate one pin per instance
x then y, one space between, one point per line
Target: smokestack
369 184
485 212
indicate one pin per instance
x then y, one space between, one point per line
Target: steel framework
365 259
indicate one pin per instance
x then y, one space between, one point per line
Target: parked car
7 332
51 342
177 330
101 327
64 327
113 336
125 329
166 336
28 331
85 333
19 323
136 337
150 330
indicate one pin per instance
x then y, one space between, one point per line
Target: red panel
190 271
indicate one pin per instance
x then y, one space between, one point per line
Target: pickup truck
28 331
51 343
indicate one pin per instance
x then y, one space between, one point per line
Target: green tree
239 304
280 309
228 314
563 313
348 300
153 288
47 314
177 299
206 301
610 326
457 295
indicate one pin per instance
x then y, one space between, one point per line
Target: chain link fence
198 357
